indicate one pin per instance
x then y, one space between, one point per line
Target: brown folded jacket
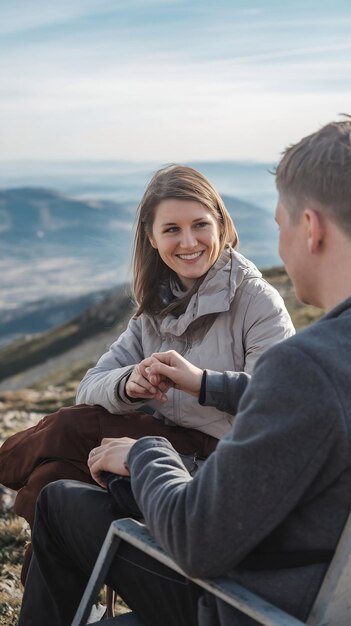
59 445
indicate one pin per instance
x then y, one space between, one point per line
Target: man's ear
153 242
314 230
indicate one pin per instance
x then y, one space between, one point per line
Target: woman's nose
188 239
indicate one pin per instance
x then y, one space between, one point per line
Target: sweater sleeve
104 383
223 391
258 474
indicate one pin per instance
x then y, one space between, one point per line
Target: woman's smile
190 257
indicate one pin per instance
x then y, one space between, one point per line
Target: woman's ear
153 242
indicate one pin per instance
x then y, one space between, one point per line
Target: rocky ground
19 410
13 537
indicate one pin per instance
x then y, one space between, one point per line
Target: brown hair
318 168
149 270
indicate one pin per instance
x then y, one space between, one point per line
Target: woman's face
186 236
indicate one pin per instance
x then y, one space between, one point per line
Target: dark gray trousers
71 522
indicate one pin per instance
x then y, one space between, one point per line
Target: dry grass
13 536
19 410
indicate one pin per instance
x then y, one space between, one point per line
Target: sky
169 80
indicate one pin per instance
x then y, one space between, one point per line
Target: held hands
110 456
152 378
175 371
138 384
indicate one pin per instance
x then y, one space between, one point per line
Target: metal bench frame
332 606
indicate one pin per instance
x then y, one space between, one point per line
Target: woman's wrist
122 391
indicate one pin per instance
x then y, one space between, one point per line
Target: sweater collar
340 308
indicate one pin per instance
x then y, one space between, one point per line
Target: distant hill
45 218
99 317
54 246
87 336
35 213
42 315
257 231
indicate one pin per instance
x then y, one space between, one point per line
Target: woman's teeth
189 257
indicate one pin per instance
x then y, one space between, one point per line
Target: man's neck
336 274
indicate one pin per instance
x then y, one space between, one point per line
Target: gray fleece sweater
268 506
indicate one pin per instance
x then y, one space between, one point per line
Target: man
268 506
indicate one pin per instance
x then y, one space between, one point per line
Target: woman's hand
110 456
138 384
176 371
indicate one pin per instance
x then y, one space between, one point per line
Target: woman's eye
171 229
175 229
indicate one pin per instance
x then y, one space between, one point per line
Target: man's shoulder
325 344
332 331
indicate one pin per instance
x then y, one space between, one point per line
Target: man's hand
176 371
110 457
139 386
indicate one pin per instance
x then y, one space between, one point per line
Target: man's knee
63 495
53 492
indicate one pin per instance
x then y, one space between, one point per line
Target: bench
332 606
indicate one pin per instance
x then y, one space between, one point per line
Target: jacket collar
215 293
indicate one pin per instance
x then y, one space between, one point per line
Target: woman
195 294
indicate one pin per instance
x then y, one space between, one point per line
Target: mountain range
59 253
66 351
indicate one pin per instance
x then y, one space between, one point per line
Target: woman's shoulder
248 278
242 264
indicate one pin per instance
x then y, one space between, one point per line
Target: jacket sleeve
258 474
266 323
104 383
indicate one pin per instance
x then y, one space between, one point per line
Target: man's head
314 214
317 171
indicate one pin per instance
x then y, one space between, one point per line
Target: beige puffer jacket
232 319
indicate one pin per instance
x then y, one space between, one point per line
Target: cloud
136 80
119 225
23 15
45 278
